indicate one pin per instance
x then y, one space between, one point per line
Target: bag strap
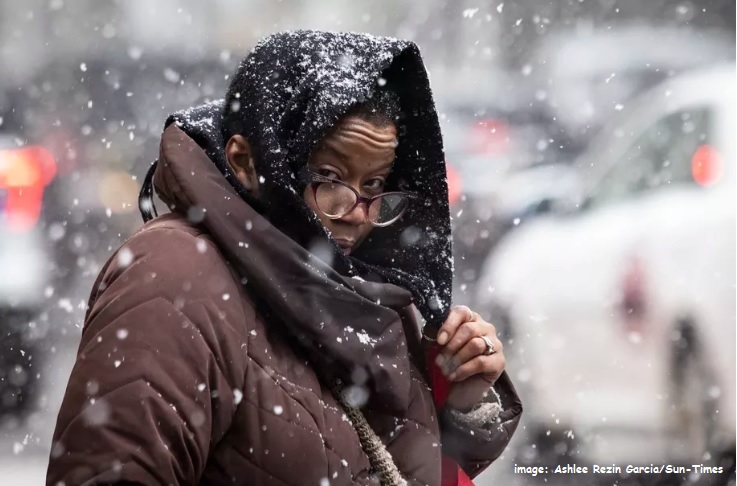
371 444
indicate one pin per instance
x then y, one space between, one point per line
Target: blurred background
591 160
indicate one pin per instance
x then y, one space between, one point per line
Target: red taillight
24 173
489 137
454 184
706 165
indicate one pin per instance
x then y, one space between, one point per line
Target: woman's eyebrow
387 165
335 152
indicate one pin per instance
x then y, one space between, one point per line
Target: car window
660 157
688 131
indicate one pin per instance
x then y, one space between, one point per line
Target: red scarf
452 474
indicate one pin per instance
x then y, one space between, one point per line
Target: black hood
289 92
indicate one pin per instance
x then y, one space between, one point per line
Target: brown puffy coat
184 376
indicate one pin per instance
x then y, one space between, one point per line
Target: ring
489 346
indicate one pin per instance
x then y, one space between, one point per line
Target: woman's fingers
463 334
489 366
476 346
457 316
463 346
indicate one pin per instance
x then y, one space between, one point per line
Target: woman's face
359 153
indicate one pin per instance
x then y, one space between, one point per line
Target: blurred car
621 301
25 172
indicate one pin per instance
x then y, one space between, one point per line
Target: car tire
18 366
694 406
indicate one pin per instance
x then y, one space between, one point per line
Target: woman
267 330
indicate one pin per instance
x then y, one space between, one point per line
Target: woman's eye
330 174
375 184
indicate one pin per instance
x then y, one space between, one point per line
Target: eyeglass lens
336 200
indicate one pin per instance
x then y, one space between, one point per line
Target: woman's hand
471 365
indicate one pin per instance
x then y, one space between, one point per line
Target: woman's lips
346 245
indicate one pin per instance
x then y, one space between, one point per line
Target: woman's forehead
355 137
380 132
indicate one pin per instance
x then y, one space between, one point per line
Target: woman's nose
358 215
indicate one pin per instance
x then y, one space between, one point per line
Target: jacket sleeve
477 438
152 389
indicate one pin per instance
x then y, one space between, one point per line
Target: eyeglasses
335 199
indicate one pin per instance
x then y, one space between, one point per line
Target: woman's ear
240 158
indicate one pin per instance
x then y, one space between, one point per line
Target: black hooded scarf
286 95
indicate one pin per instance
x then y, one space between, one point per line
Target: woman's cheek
310 201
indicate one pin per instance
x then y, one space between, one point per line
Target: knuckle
487 326
467 328
463 311
476 365
497 367
479 345
459 309
457 344
491 360
460 336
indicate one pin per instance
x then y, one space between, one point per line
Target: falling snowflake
125 257
469 13
66 305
